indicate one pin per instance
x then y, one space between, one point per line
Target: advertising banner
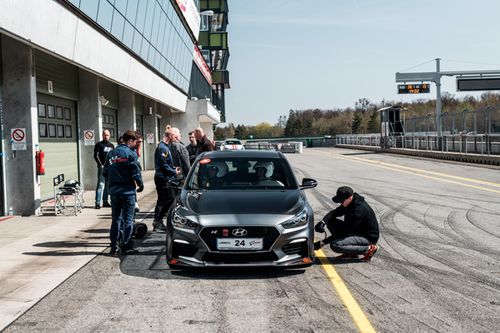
191 15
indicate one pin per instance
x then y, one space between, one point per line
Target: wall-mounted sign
88 138
18 138
190 12
150 138
202 65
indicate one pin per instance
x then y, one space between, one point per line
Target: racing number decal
239 242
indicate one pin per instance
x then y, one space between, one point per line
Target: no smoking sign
88 137
18 138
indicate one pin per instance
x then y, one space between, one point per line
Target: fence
482 121
460 143
474 132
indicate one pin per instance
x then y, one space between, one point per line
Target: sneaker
136 207
346 256
130 251
106 204
158 226
97 206
372 249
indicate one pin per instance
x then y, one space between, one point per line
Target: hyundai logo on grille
239 232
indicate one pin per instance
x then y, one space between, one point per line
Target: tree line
360 119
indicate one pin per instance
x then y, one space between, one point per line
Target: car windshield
241 173
233 142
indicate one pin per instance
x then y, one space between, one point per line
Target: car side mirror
308 183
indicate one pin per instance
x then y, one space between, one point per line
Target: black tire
140 230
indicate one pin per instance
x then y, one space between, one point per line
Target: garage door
57 133
109 122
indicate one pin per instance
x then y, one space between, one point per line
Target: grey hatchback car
241 208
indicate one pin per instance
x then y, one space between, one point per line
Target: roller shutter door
110 122
57 131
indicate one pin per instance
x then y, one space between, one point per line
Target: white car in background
232 144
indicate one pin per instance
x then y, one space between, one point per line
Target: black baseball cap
343 193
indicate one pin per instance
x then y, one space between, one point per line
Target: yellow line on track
421 173
350 303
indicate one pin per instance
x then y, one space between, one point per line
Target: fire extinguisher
40 162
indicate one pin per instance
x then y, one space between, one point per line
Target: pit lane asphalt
438 269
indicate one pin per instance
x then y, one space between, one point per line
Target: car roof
243 153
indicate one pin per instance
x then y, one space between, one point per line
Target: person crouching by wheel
357 234
124 175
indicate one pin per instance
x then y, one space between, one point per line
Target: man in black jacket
357 234
101 150
165 171
191 147
203 142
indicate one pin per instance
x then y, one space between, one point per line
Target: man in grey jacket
180 155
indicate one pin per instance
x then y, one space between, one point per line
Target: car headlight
296 221
181 221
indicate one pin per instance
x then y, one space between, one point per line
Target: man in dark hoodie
357 234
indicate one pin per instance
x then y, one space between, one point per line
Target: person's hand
140 188
318 245
320 227
177 170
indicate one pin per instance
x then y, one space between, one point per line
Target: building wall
88 62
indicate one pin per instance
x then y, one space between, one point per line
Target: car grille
296 248
268 234
186 250
239 258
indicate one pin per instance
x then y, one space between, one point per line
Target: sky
327 54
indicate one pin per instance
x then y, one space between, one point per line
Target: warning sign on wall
88 138
150 138
18 138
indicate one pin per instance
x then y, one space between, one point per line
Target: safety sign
150 138
18 138
88 137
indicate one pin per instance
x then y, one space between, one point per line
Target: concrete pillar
90 117
22 189
185 123
126 110
163 112
208 129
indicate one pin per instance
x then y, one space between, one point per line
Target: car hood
243 202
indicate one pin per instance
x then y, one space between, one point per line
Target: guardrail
483 144
284 147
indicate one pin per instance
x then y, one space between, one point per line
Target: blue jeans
101 191
122 213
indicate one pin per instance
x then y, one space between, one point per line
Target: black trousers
349 244
166 196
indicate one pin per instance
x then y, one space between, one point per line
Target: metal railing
483 144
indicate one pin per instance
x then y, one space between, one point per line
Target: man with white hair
180 155
203 142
